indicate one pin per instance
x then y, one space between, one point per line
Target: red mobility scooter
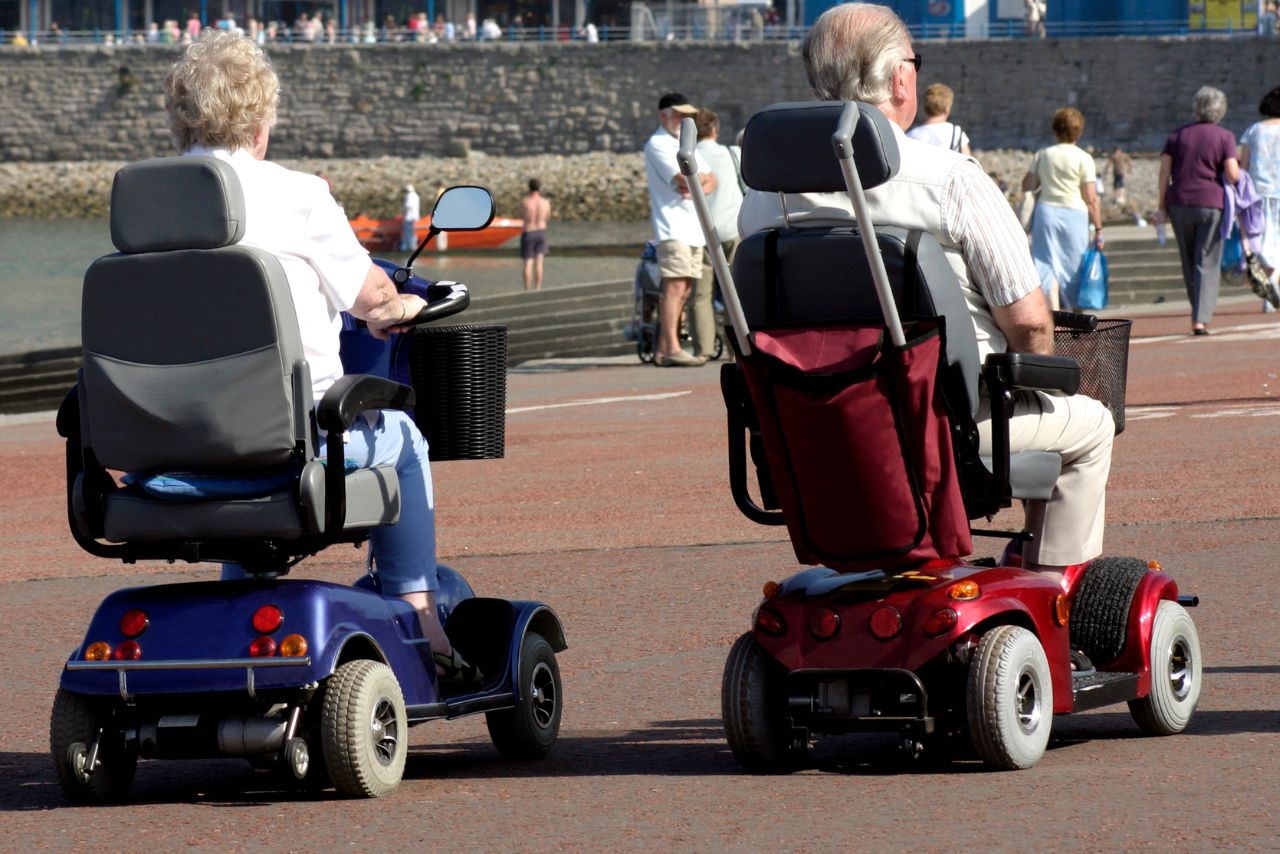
855 393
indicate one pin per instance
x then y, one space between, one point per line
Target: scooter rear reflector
98 651
267 619
940 622
886 622
770 622
824 623
130 650
262 647
134 623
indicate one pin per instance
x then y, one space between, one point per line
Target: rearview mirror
462 209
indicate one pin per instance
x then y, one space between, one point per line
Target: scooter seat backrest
820 274
786 148
192 355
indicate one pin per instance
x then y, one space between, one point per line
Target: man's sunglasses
916 60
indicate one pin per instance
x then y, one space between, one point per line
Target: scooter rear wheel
755 724
74 726
1010 698
364 729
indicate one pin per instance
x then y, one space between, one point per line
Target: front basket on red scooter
459 374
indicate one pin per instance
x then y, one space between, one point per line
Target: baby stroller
644 321
855 392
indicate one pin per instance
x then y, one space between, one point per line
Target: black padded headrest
176 203
786 148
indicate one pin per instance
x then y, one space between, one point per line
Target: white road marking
1243 332
1246 410
596 401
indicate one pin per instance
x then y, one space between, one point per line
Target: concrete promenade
612 506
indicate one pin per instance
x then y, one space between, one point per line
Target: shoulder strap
956 136
737 168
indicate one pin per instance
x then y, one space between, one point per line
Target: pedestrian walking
724 202
1196 159
1066 178
1260 157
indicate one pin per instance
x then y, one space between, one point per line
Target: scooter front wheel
1176 672
530 729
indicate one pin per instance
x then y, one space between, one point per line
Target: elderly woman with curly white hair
1196 159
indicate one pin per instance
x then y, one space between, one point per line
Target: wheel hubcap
1028 703
542 695
78 758
384 731
1180 669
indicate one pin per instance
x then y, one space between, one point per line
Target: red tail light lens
127 651
263 647
824 623
267 619
134 623
886 622
940 622
770 622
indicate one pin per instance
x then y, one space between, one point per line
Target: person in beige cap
675 227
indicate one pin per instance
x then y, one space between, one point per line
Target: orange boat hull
383 235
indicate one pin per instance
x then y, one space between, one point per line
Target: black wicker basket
459 375
1103 355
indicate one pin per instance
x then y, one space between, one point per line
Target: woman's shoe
454 668
1200 330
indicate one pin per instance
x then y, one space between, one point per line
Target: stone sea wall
372 117
594 187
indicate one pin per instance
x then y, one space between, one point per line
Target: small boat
383 235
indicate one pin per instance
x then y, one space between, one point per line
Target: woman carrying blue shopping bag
1091 290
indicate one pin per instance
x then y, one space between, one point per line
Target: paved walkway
611 505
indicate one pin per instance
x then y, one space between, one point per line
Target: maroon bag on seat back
858 444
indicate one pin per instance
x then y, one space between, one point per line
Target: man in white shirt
411 211
724 203
675 227
862 52
221 96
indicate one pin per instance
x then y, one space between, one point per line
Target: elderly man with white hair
862 52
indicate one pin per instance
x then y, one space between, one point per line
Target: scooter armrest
1009 371
356 393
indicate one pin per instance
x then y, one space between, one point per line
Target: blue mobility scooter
856 395
195 384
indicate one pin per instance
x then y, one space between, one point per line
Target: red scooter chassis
884 650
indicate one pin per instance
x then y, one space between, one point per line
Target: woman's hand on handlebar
412 304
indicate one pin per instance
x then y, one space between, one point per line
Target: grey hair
1209 105
850 52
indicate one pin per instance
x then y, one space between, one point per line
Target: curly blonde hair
220 92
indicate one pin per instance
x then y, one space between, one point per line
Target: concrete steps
1142 272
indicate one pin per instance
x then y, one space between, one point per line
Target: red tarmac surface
611 505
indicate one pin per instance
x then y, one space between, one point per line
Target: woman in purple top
1195 161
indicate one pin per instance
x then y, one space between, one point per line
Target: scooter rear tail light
262 647
824 623
770 622
293 646
98 651
134 623
940 622
130 650
267 619
886 622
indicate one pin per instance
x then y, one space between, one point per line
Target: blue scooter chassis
198 634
